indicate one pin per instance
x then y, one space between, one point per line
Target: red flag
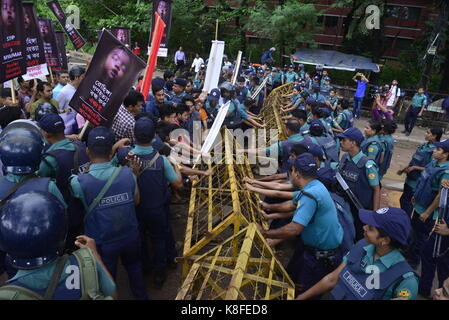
155 44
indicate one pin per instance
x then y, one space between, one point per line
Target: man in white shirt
197 62
66 94
394 97
226 64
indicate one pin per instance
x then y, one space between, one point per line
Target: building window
411 13
392 12
404 44
331 22
320 20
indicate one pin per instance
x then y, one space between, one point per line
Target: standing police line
331 206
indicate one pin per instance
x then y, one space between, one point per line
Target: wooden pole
51 75
83 131
13 92
216 30
158 20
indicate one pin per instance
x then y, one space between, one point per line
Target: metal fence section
241 268
219 204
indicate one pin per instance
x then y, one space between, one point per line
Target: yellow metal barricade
219 204
241 268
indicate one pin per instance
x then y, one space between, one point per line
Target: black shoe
159 279
407 134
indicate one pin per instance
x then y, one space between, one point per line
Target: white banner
39 71
214 66
215 130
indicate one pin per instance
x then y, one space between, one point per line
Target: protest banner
164 9
35 52
62 52
152 58
13 46
214 66
112 72
123 34
49 38
73 34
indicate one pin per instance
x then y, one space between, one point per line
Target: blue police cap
353 134
297 87
316 124
316 78
214 95
157 83
326 112
180 82
100 138
311 101
315 150
394 221
52 123
443 144
304 163
327 78
291 66
144 130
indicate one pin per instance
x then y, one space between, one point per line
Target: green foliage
287 25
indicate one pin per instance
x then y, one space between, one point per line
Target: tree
287 26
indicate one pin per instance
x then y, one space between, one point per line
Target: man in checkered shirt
124 121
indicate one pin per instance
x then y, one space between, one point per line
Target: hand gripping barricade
241 268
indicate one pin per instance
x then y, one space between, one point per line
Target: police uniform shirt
52 188
274 147
419 100
38 279
169 172
373 149
243 113
370 169
436 185
322 230
49 167
385 139
406 288
177 99
318 97
102 171
290 77
427 148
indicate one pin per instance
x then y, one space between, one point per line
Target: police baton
348 191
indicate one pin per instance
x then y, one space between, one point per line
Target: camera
380 90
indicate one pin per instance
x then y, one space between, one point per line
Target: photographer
362 83
380 110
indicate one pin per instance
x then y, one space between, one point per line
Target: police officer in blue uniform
371 146
108 194
426 199
315 219
421 158
154 178
21 146
179 86
32 232
317 135
360 174
375 268
211 106
344 119
386 138
63 158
